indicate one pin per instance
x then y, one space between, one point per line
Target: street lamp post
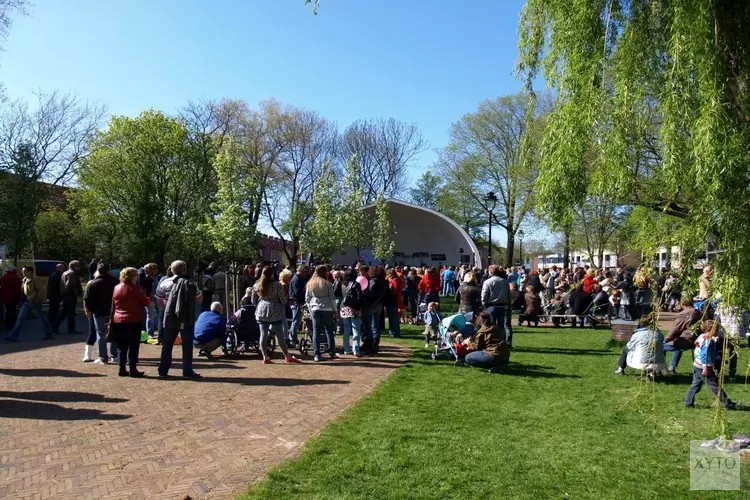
520 239
490 202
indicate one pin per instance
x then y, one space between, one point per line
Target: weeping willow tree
659 87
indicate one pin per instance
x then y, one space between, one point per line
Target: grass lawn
557 424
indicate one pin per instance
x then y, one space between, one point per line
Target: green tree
233 231
383 243
599 220
58 235
21 196
324 236
141 173
661 87
462 207
354 222
495 149
426 191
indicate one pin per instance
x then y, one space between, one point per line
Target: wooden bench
597 320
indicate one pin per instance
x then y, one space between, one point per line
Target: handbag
111 333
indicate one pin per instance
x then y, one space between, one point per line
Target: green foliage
496 149
324 236
232 230
354 222
141 176
21 196
464 208
383 244
660 88
426 191
57 235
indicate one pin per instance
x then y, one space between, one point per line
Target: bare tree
7 9
40 149
385 150
309 142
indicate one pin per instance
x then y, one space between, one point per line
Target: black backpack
353 296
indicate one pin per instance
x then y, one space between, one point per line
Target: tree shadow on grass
45 372
532 371
11 408
565 351
61 396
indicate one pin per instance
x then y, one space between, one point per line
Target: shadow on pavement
61 397
10 408
45 372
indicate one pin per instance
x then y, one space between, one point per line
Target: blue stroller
449 328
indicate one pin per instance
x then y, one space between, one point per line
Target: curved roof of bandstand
420 230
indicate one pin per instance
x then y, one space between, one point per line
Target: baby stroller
448 330
243 334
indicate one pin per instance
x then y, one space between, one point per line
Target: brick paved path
75 430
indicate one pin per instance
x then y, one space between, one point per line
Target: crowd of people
355 301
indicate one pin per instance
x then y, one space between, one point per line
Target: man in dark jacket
70 290
147 280
580 303
179 319
12 296
97 302
680 337
54 297
297 287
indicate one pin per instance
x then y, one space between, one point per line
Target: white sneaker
619 371
87 354
427 345
100 361
116 360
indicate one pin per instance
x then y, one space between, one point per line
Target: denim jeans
713 383
159 320
394 327
100 323
170 334
23 314
352 327
676 355
268 329
296 321
502 317
150 315
480 359
323 323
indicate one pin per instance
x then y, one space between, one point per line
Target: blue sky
424 61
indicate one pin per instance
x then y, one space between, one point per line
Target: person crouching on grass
432 321
703 369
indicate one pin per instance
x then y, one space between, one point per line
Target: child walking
703 370
432 320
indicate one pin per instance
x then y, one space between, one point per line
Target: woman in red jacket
128 303
430 285
589 280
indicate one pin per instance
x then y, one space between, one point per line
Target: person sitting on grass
703 369
533 307
432 321
487 346
645 349
210 331
680 337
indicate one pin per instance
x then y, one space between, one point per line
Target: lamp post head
520 234
490 200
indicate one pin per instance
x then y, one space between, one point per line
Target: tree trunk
566 250
510 248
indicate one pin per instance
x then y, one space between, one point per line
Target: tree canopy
660 87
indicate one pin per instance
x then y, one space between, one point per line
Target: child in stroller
452 331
